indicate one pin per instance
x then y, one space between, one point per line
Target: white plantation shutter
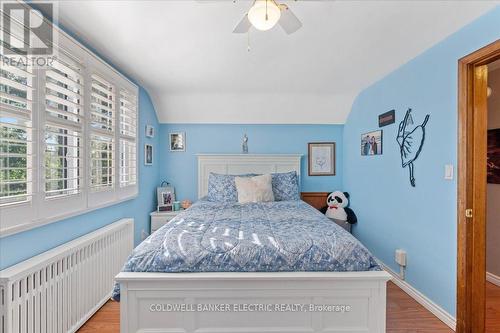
63 127
16 112
102 166
128 138
128 162
102 145
102 104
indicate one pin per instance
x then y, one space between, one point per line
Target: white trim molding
423 300
492 278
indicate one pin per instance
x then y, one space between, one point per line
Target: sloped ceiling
197 71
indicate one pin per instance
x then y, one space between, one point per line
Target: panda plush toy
337 203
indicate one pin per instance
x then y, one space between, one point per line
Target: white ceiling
197 71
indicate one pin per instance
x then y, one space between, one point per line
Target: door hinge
468 213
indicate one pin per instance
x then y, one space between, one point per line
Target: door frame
472 150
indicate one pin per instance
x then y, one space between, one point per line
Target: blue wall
21 246
392 214
179 168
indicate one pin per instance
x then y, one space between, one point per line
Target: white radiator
58 290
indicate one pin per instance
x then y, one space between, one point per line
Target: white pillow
254 189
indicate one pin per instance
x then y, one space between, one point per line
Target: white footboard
253 302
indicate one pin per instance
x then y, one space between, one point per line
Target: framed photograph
178 141
167 198
150 131
494 156
321 158
148 154
371 143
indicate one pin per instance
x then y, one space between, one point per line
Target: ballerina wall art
411 141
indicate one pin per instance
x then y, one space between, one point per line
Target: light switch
448 172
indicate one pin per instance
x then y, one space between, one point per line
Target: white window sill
38 223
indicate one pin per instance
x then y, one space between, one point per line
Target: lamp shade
264 14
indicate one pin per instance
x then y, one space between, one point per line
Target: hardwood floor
492 308
404 315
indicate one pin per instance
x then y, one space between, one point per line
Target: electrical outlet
400 257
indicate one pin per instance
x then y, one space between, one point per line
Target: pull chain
248 41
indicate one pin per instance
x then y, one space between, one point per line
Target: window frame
41 210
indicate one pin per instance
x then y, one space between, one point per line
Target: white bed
147 299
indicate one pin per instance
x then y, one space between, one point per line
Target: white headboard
238 164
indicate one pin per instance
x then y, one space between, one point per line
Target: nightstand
343 224
159 219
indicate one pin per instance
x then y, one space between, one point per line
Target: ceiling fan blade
243 26
288 21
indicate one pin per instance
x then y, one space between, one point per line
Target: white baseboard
435 309
492 278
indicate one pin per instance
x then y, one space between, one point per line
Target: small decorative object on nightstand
165 195
159 219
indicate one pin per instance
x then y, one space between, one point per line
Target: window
63 128
16 109
68 137
128 133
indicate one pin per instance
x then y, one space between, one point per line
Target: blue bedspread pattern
258 237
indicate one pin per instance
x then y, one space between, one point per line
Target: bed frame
252 302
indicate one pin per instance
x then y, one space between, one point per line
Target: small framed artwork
321 160
371 143
178 141
387 118
166 198
148 154
494 156
150 131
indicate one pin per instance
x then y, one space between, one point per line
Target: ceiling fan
265 14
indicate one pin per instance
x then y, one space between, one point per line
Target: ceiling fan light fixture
264 14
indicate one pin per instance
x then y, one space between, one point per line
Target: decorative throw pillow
221 188
254 189
286 186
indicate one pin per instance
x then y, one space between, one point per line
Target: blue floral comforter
258 237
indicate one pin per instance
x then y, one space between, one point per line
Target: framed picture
178 141
371 143
494 156
321 158
148 154
150 131
166 198
387 118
